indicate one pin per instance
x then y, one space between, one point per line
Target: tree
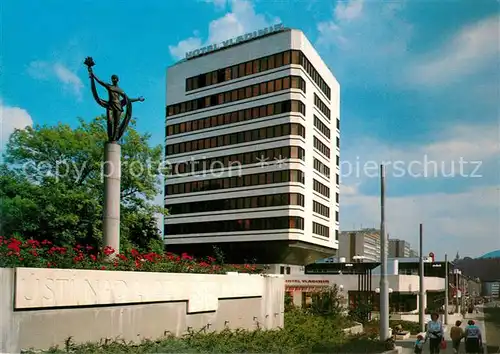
51 184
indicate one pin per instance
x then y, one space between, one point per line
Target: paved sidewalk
478 318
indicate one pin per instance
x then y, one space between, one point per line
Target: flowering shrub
31 253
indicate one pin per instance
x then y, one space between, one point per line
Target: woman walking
473 338
435 334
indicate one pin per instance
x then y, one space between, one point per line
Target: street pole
446 286
457 284
384 284
421 297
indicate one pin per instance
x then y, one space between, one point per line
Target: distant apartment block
399 249
360 243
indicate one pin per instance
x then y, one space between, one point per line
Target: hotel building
252 138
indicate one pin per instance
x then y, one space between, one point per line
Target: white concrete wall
91 305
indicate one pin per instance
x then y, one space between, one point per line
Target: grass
303 333
492 323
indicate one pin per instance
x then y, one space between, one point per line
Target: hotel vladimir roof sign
232 41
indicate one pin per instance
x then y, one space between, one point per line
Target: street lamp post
384 284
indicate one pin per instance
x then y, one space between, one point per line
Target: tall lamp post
446 287
421 297
384 284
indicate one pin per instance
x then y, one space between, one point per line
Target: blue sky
420 82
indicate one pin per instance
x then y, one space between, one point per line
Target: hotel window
236 182
238 138
318 145
237 203
277 223
322 106
321 127
321 188
236 160
321 209
236 95
321 230
321 168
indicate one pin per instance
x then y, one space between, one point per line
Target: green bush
303 333
372 327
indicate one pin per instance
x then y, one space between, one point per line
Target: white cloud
469 143
466 220
44 70
348 10
240 20
470 50
358 27
12 118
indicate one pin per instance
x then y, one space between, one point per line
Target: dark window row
321 230
321 188
277 223
337 234
235 182
337 216
261 201
338 124
237 138
337 198
321 209
321 127
276 85
216 163
243 69
322 106
325 150
338 160
257 66
338 142
313 73
237 116
322 168
337 179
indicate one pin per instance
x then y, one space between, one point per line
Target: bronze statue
114 106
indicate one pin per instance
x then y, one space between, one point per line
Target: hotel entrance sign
232 41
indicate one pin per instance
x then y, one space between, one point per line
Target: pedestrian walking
456 334
419 344
435 334
473 338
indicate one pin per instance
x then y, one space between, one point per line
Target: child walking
419 344
456 334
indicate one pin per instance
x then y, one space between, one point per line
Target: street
478 318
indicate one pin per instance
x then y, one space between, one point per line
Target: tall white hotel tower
252 135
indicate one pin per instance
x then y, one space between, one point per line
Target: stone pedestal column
112 175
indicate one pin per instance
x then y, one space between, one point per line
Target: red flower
103 268
108 250
46 242
135 253
93 257
14 246
211 259
34 253
204 264
186 257
33 243
122 257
